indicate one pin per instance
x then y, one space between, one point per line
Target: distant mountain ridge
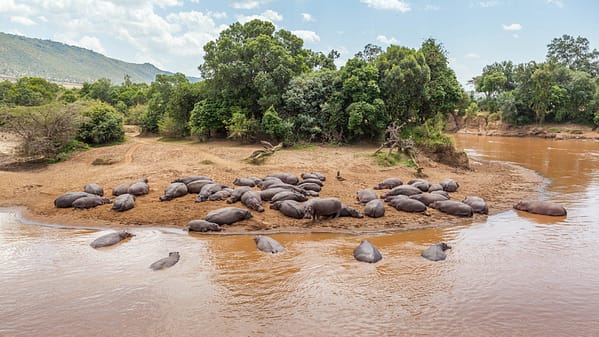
58 62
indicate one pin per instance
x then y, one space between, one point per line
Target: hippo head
174 254
521 206
275 205
125 234
443 246
259 208
248 215
257 238
308 212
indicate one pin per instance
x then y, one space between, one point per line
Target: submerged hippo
478 204
94 189
202 226
124 202
174 190
171 260
268 245
365 195
110 239
90 202
252 200
388 184
436 252
452 207
228 215
291 208
374 208
449 185
541 207
319 207
350 212
66 200
367 252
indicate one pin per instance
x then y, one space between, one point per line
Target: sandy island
501 185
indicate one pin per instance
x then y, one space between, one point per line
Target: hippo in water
478 204
124 202
367 252
228 215
436 252
541 207
174 190
66 200
291 208
94 189
171 260
90 202
268 245
374 208
365 195
452 207
203 226
110 239
319 207
388 184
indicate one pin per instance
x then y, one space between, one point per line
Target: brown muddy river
513 275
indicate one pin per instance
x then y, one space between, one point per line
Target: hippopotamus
269 193
228 215
287 178
365 195
478 204
435 187
221 195
436 252
402 190
171 260
202 226
374 208
291 208
310 186
196 185
66 200
187 180
367 252
441 192
319 207
407 204
237 193
174 190
316 175
288 187
288 195
541 207
90 202
452 207
252 200
124 202
139 187
244 182
269 181
94 189
268 245
421 184
350 212
388 184
313 181
110 239
428 198
449 185
209 190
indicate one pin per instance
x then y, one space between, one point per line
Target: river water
514 274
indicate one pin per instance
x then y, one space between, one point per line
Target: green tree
275 126
159 95
101 125
574 53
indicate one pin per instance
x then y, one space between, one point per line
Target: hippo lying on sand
350 212
94 189
436 252
452 207
364 196
228 215
202 226
171 260
124 202
110 239
367 252
291 208
66 200
268 245
375 208
541 207
319 207
388 184
90 202
174 190
478 204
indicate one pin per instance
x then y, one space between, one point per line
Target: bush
168 127
101 125
274 126
242 128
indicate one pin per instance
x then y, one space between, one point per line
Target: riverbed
510 274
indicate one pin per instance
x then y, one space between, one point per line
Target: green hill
57 62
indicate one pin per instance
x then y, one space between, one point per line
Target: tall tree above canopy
574 53
252 64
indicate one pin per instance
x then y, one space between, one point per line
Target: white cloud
472 56
89 42
557 3
9 6
487 4
513 26
386 40
307 17
22 20
307 35
252 4
268 15
397 5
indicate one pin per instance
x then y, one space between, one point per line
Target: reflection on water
514 274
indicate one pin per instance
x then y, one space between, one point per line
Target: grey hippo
288 195
541 207
421 184
244 182
350 212
123 202
66 200
428 198
318 207
402 190
367 252
478 204
452 207
228 215
140 186
365 195
316 175
174 190
375 208
110 239
237 193
202 226
188 179
287 178
90 202
196 185
94 189
388 184
291 208
252 200
436 252
167 262
268 245
407 204
208 190
449 185
223 194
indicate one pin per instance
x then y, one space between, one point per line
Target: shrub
274 126
242 128
101 125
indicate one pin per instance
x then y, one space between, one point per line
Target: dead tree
258 156
394 141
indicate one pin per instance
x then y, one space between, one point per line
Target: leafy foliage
101 125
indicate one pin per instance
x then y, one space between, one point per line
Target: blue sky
171 33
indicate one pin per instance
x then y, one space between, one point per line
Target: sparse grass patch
206 162
68 149
554 129
393 159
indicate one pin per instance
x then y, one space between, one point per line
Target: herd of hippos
291 196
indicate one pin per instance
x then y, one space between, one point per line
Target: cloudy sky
171 33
